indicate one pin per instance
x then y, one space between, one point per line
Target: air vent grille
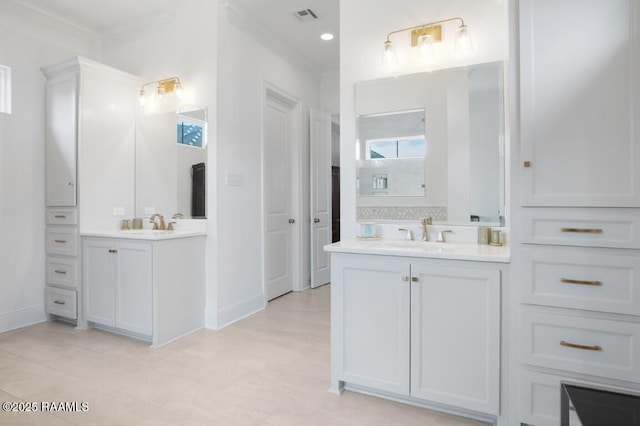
306 15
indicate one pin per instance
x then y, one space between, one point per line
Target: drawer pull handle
583 230
57 271
60 241
570 281
576 346
60 216
59 302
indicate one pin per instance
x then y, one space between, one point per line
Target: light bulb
426 48
141 98
179 91
389 56
463 43
159 93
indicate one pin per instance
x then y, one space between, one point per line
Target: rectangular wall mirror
432 144
171 154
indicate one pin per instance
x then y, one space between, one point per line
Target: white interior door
320 196
278 197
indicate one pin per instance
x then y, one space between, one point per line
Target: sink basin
408 245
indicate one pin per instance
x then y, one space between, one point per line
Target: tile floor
269 369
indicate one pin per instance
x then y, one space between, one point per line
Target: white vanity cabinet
427 330
118 290
579 106
577 316
148 287
89 141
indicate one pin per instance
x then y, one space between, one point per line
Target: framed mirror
171 154
432 144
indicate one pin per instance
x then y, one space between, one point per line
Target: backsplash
401 213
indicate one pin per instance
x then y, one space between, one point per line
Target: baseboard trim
22 318
232 314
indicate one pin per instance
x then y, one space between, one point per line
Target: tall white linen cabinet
90 154
575 193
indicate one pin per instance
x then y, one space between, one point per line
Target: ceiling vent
306 15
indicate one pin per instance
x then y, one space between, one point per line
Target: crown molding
237 16
49 20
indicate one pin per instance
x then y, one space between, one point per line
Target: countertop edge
397 252
170 235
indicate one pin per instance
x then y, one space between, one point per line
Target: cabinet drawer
540 398
604 228
62 217
63 271
584 279
582 345
62 240
60 302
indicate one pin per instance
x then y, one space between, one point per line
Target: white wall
245 66
26 45
363 30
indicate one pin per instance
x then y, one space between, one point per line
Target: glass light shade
179 91
159 93
141 98
426 49
389 56
463 43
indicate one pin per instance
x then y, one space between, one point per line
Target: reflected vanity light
163 87
424 37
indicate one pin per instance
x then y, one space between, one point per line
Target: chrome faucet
423 224
155 224
409 234
441 235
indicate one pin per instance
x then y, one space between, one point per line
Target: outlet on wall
118 211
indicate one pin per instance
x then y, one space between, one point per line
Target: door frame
272 93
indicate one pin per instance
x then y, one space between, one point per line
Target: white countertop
424 249
145 234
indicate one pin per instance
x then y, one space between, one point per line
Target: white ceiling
275 16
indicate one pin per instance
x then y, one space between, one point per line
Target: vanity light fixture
424 37
165 86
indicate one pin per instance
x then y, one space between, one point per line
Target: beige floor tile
270 369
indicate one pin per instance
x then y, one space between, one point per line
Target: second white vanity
419 322
143 283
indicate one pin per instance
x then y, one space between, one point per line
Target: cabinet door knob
292 220
70 183
405 278
527 164
316 220
113 251
414 279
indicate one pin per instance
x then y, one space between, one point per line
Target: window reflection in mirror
392 149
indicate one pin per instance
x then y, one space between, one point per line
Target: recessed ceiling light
326 36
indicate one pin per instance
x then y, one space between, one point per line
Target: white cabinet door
133 288
61 138
99 276
370 322
455 336
579 102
